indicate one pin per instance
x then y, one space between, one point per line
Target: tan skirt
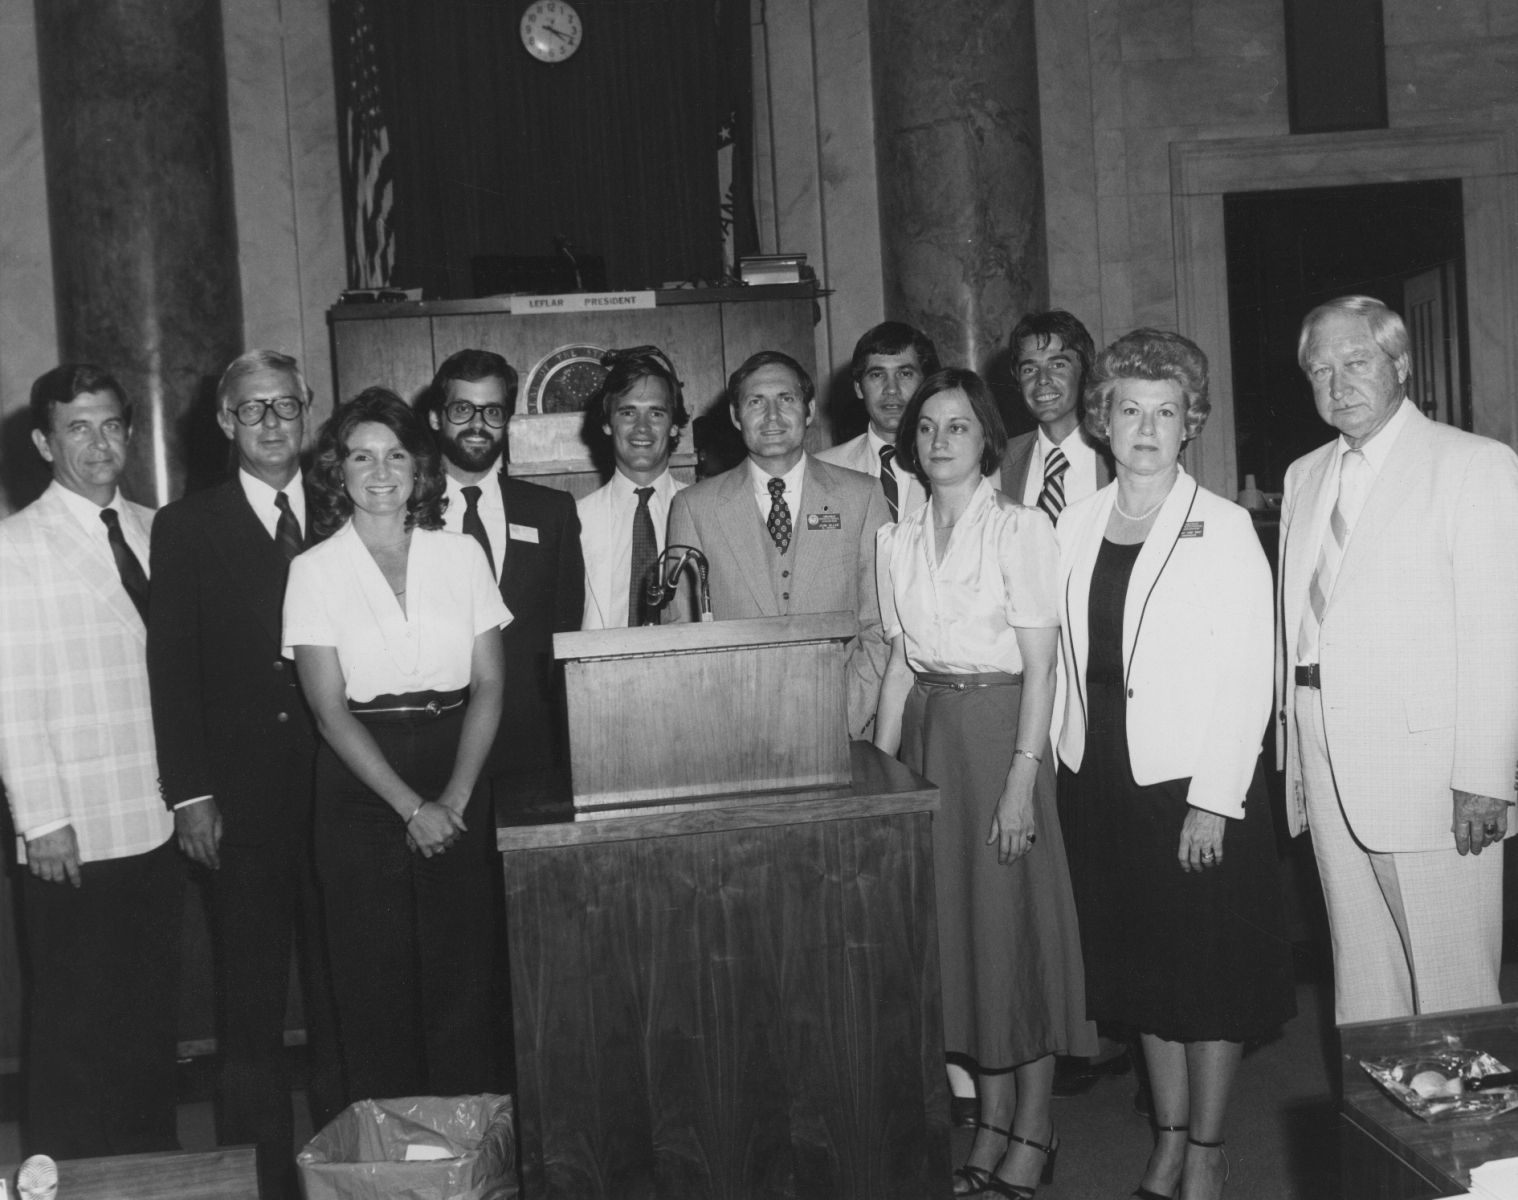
1008 944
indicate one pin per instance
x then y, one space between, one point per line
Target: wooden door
1431 310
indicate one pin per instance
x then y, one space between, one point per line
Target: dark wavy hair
1073 336
893 337
624 368
64 385
982 404
329 498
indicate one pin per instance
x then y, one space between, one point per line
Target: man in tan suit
783 532
1397 674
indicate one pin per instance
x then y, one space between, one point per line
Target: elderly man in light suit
783 532
103 892
1397 674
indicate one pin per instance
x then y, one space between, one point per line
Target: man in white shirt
622 525
1056 464
890 362
103 890
237 752
1397 674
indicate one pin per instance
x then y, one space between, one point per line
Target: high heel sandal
979 1178
1018 1191
1217 1145
1143 1193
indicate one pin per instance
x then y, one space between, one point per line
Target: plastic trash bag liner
460 1147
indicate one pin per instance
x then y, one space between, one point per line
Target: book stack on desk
771 268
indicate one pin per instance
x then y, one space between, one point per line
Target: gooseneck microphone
664 578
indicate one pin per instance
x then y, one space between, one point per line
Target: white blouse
961 615
337 596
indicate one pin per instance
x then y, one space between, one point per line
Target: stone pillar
961 185
139 188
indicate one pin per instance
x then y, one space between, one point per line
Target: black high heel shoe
1018 1191
1143 1193
980 1179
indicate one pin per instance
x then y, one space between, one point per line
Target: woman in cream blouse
394 626
967 599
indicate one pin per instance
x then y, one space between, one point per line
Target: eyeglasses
461 412
286 408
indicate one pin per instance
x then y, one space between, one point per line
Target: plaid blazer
76 723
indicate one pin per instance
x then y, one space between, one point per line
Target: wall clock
563 381
551 30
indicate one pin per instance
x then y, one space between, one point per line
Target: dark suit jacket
1019 453
228 714
543 584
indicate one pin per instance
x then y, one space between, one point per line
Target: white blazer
856 455
1197 634
76 722
1419 644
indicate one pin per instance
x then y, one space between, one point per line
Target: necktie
132 577
779 523
1354 486
888 479
645 552
474 527
287 532
1052 498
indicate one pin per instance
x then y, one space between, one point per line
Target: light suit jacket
1419 644
856 455
76 719
1196 642
834 569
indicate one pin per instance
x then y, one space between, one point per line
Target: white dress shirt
87 512
792 492
1080 479
337 596
904 478
492 514
606 532
261 497
999 573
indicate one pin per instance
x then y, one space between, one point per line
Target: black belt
1309 676
408 708
964 683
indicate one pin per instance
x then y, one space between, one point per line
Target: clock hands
553 29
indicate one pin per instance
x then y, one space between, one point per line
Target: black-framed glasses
461 412
286 408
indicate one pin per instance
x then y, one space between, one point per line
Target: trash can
415 1148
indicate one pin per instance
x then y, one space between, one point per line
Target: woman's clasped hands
433 827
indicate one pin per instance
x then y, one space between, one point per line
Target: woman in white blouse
394 626
967 597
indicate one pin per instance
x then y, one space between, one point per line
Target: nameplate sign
580 302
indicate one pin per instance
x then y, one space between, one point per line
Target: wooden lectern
730 988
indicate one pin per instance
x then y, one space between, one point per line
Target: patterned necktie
1354 486
475 527
645 552
1052 498
888 480
132 577
779 523
287 532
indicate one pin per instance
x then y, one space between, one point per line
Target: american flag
371 192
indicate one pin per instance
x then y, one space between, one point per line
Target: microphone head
38 1178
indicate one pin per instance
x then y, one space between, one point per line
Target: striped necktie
1355 480
1052 498
888 480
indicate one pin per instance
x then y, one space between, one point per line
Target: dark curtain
493 152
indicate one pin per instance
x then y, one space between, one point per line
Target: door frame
1484 157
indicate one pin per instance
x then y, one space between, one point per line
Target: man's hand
1480 821
54 856
199 828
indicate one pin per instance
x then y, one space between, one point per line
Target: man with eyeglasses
236 753
531 537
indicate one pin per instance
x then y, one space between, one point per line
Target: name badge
524 533
1193 528
824 520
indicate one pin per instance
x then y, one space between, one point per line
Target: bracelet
416 810
1028 754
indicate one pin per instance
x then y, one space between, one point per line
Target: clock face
551 30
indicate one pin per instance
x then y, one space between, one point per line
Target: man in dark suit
236 750
531 535
1055 464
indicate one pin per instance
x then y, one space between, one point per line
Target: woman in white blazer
1165 599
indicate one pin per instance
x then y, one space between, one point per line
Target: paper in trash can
362 1154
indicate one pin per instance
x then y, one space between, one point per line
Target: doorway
1290 250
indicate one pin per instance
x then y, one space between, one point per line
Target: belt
1309 676
964 683
408 708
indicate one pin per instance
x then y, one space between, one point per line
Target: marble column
144 237
957 150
